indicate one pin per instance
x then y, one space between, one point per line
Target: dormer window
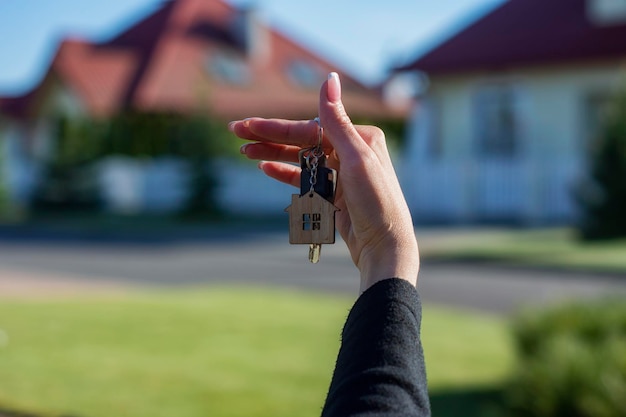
606 12
229 68
305 73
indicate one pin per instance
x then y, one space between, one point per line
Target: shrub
572 361
69 180
5 202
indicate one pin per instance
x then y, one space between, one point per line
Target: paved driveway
46 267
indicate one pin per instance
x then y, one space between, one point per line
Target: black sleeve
380 368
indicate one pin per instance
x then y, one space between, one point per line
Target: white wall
20 172
533 186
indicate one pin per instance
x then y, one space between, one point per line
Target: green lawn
544 248
210 352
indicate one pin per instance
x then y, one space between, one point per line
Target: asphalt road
267 259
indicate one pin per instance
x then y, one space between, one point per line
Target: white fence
244 189
527 192
131 186
161 185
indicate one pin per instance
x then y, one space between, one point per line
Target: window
496 119
229 68
432 109
311 221
305 74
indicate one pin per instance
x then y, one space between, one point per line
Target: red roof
171 61
526 32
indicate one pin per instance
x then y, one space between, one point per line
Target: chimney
253 34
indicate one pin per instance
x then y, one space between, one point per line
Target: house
187 56
512 103
311 219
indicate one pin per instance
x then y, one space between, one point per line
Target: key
312 213
326 178
314 252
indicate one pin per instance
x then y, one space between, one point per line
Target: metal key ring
320 137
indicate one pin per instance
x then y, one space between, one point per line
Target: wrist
390 260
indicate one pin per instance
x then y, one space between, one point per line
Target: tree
5 203
196 139
69 182
602 196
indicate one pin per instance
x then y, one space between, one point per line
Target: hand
374 219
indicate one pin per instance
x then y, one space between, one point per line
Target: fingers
340 135
302 133
286 173
270 152
338 127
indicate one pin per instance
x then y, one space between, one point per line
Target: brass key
315 250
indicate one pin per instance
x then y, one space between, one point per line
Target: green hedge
572 361
69 181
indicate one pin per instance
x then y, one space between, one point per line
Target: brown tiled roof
526 32
164 62
97 76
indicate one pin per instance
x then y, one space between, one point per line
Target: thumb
338 127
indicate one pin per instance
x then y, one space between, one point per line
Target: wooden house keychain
312 212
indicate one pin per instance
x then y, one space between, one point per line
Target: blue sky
363 37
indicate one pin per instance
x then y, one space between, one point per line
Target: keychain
312 212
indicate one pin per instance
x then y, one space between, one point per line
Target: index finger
302 133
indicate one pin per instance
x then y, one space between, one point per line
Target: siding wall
445 179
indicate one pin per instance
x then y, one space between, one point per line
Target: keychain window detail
311 221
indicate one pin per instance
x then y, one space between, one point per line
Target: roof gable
143 34
526 32
99 76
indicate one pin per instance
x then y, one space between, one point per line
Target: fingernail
334 87
260 165
231 126
246 122
243 147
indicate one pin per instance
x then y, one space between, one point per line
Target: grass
557 248
465 349
223 352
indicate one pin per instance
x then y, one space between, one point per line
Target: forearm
380 367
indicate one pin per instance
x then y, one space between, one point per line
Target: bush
69 180
602 196
572 362
5 201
